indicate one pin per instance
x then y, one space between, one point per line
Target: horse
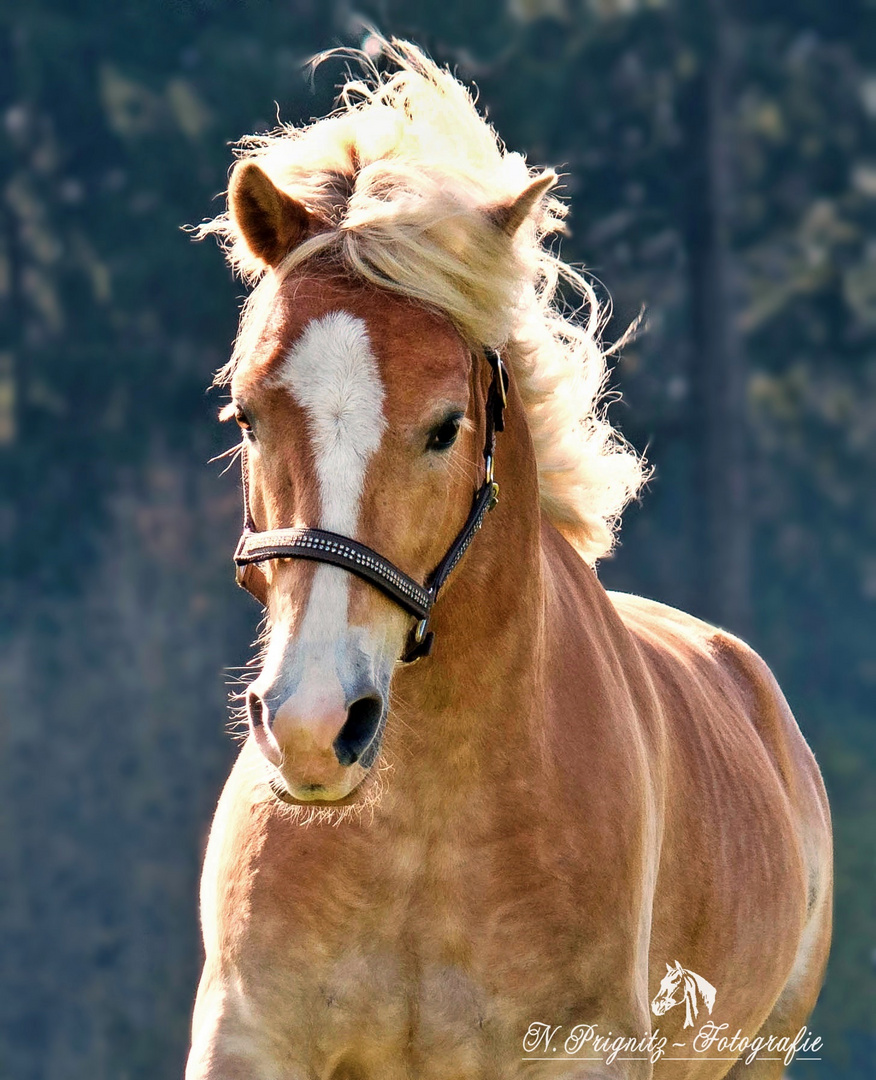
692 986
479 796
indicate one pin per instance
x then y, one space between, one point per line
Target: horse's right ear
271 222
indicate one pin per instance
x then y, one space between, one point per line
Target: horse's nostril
357 735
256 710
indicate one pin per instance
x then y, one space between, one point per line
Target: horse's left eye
444 435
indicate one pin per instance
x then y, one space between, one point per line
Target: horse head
363 414
690 987
665 999
396 245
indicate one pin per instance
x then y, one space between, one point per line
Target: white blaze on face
333 375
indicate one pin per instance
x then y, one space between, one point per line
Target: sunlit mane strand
407 182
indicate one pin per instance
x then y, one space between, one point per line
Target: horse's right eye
241 418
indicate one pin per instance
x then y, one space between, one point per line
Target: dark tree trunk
718 368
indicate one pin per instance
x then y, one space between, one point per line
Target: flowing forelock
405 179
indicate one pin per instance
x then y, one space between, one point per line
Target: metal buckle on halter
419 643
494 487
239 568
502 381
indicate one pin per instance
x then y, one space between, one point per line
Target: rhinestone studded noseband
321 546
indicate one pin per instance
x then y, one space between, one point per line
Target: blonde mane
407 178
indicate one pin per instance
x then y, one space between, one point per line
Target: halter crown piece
319 545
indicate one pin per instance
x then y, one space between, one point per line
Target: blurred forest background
721 162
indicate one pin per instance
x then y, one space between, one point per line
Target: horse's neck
473 697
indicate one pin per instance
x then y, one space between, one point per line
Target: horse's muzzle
321 748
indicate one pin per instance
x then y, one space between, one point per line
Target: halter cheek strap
320 545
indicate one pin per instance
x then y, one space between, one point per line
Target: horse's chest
385 1016
425 957
420 982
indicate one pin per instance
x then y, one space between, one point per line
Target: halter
319 545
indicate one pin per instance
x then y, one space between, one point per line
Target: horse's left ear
511 216
271 222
